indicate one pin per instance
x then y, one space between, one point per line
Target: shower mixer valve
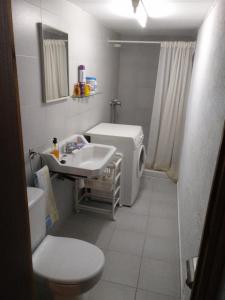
115 102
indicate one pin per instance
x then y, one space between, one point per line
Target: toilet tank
37 213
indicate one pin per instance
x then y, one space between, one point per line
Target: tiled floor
141 246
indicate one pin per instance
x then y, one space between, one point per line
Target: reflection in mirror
54 63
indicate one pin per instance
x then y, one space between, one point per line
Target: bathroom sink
89 161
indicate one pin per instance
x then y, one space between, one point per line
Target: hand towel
43 181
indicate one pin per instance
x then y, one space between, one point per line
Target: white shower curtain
55 62
172 85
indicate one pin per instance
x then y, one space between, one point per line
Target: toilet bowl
69 267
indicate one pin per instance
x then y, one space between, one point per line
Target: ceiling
168 17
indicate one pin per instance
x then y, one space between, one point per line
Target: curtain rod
140 42
56 40
133 42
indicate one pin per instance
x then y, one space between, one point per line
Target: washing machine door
141 161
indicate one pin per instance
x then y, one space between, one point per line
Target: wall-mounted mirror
54 63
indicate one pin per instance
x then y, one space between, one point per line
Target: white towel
43 181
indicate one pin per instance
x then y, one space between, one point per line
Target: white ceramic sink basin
89 161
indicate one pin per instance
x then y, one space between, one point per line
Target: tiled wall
203 129
137 78
87 45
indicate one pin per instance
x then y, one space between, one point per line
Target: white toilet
69 267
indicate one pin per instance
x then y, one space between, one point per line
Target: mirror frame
41 28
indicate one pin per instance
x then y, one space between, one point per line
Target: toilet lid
67 260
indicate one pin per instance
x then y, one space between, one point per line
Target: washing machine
128 139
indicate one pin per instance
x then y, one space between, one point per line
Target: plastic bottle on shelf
93 84
55 149
82 88
81 74
76 92
82 79
87 90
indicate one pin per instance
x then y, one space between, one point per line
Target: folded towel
43 181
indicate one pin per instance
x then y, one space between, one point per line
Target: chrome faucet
114 103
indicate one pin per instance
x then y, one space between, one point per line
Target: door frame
16 261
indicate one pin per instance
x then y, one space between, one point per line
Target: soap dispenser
55 148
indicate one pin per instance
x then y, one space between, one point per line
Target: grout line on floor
120 252
117 283
142 255
159 294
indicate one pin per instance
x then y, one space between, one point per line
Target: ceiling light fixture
159 8
140 12
135 5
122 8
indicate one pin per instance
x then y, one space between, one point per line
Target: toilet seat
67 260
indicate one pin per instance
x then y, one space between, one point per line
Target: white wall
203 129
137 79
88 46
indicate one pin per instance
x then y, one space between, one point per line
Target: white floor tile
111 291
104 237
133 222
121 268
145 295
160 277
163 209
146 183
159 248
140 207
162 227
88 228
164 191
127 242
